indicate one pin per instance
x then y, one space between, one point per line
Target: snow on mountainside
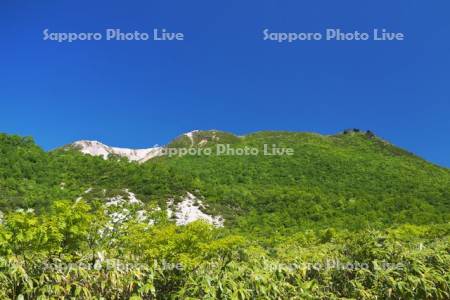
189 210
195 138
96 148
190 135
126 206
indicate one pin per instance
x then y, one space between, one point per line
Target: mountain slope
351 180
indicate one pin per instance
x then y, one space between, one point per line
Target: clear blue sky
224 76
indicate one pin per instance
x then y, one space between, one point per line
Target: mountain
195 138
353 179
344 216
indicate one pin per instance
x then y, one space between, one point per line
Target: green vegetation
348 216
350 180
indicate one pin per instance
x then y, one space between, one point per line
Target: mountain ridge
348 180
204 138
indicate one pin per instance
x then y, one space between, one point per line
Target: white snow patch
141 215
190 135
119 217
132 198
115 201
120 200
203 142
122 208
95 148
188 211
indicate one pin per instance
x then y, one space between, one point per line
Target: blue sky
223 75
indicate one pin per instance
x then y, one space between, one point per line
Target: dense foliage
346 216
60 254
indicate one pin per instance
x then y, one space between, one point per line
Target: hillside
345 180
349 180
346 216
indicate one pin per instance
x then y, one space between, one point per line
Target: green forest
347 216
